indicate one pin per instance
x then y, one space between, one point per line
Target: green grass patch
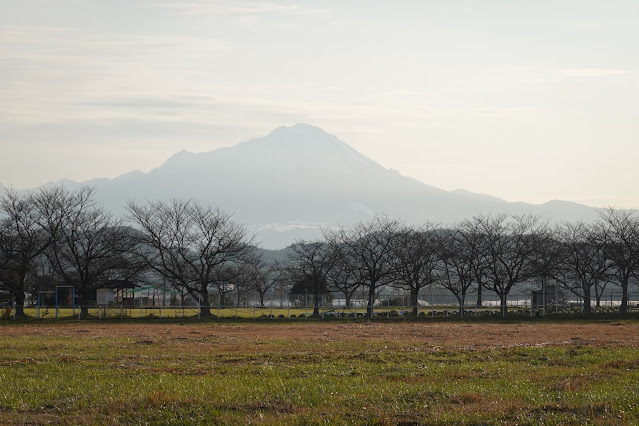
210 378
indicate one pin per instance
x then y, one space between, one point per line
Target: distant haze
524 100
298 180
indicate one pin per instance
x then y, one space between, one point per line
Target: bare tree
242 282
345 280
548 260
621 234
366 252
225 279
459 268
508 246
260 276
415 260
23 242
308 268
90 249
188 242
584 263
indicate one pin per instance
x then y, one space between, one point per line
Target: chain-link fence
433 302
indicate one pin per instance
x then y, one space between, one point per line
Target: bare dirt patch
423 334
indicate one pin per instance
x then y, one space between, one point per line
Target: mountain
297 179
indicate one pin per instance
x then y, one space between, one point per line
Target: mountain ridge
295 180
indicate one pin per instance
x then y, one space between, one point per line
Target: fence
392 304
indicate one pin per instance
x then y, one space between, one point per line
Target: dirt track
424 334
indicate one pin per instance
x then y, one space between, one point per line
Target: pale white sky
524 100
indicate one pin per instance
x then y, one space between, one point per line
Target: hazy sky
524 100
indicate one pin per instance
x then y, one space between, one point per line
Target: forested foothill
55 237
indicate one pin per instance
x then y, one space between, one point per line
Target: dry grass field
403 372
426 335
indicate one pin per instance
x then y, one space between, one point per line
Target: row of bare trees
62 237
497 253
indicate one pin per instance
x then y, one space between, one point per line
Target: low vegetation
305 373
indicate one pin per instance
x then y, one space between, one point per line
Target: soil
435 335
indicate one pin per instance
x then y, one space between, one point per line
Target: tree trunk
371 301
262 299
316 310
83 300
479 302
587 299
599 291
624 295
19 294
19 305
205 306
458 296
414 300
504 306
544 297
347 299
